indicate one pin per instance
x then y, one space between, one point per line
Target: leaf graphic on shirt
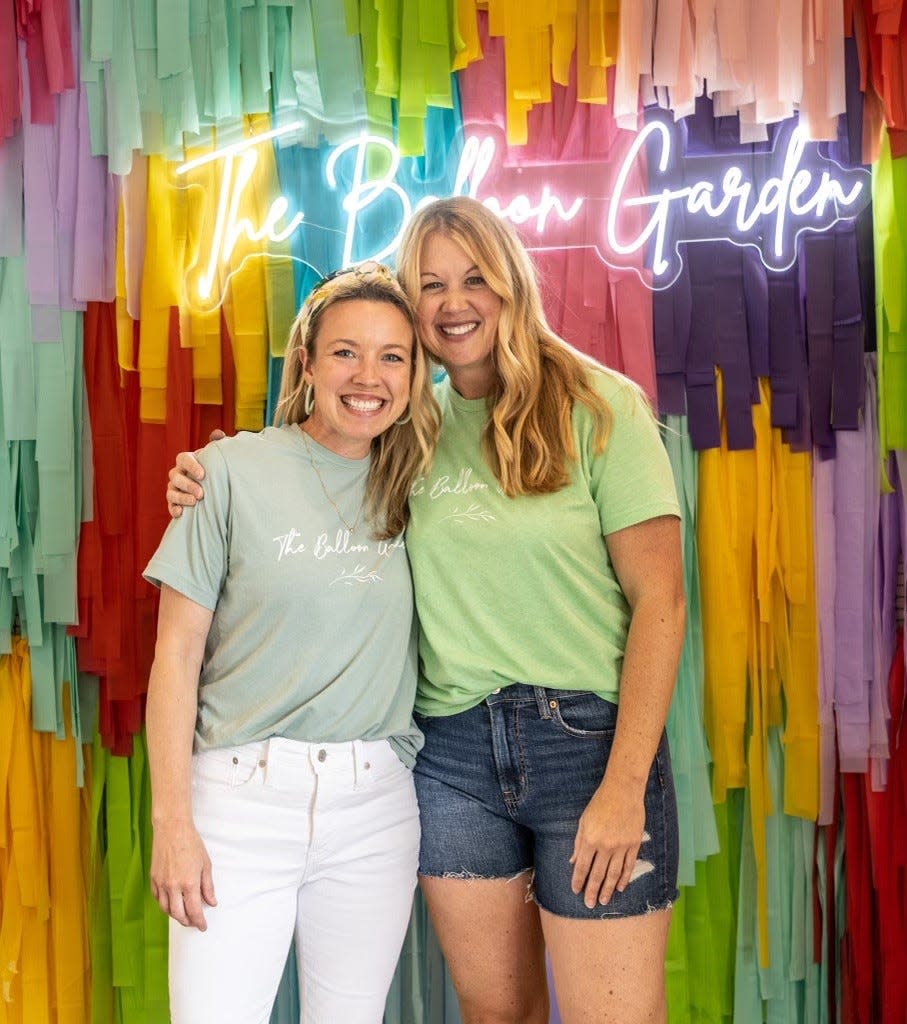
359 575
474 513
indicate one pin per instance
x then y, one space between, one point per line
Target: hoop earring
308 403
405 419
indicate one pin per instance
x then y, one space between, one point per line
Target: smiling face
361 371
458 314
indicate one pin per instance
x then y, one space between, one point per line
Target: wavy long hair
403 451
528 440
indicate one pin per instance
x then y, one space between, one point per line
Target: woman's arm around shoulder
184 480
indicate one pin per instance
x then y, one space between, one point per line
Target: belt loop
268 754
541 698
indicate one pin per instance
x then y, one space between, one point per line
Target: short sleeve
193 555
631 480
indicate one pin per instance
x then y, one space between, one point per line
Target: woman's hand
183 490
607 842
647 560
181 879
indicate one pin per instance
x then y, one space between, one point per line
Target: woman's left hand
607 841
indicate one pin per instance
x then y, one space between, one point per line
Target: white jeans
320 839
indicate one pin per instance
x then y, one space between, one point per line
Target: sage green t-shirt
522 589
313 635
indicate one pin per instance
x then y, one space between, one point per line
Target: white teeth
460 328
363 404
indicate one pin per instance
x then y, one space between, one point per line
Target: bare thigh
610 971
491 936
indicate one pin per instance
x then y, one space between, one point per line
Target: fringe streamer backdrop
127 334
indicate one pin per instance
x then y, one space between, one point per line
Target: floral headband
361 271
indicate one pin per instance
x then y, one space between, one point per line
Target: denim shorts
501 788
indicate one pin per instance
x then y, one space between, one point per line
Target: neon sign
731 206
632 223
240 160
477 157
229 227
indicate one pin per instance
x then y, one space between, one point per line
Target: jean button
322 755
498 690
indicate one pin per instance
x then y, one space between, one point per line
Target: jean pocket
227 766
585 715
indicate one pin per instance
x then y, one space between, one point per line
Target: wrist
171 819
629 779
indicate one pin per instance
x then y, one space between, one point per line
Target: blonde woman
545 548
279 715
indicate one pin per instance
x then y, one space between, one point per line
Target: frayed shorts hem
602 913
582 913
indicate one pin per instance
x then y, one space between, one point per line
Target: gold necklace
340 516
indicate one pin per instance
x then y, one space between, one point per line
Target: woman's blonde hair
528 440
404 450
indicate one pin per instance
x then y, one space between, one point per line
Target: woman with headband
279 717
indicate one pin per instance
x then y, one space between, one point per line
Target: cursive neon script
786 192
229 226
475 161
240 160
730 206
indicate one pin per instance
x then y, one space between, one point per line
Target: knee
520 1009
651 1006
645 1007
653 1010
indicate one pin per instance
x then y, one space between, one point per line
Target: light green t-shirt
313 635
522 589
